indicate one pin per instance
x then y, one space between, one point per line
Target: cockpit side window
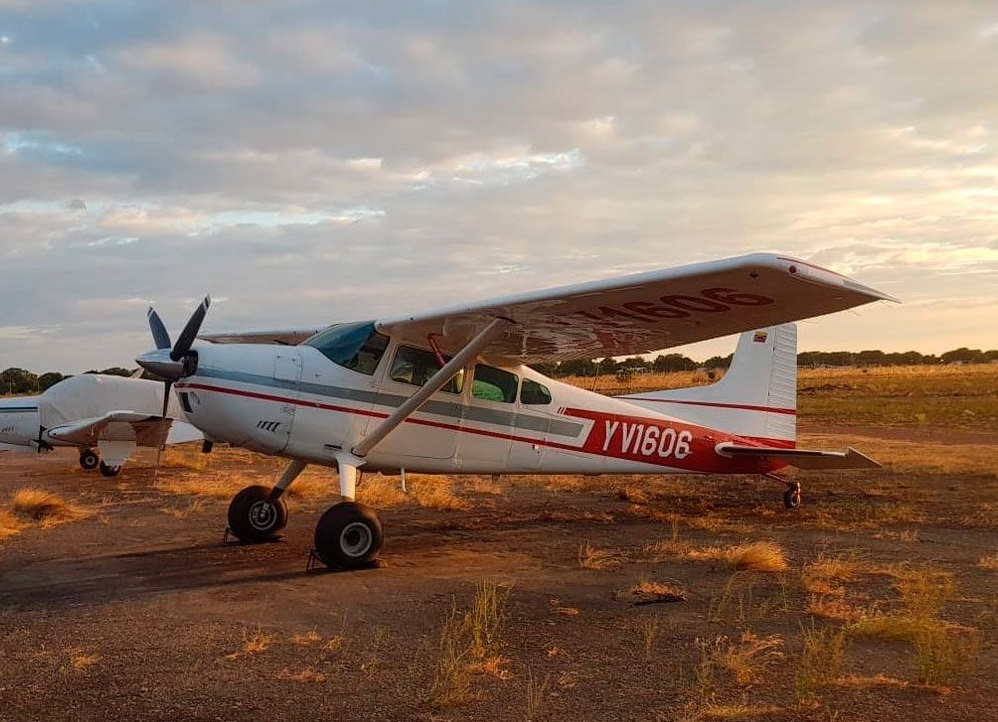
356 346
415 366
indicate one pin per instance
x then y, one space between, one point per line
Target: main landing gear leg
792 496
257 514
348 535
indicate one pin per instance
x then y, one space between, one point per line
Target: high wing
117 433
644 312
626 315
803 458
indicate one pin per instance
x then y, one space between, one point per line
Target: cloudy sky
311 162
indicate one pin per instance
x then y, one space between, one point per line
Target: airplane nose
160 363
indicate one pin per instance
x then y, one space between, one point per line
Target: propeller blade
159 332
190 332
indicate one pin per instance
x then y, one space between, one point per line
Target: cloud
317 162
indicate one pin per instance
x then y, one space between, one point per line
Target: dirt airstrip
613 598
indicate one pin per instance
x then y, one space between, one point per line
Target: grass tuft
596 559
821 660
763 556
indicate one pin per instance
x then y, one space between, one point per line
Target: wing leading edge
645 312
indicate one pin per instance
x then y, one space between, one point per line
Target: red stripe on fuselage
702 457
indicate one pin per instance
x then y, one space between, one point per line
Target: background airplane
450 391
106 417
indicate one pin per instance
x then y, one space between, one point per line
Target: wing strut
434 384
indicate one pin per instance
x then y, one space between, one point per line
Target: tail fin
756 398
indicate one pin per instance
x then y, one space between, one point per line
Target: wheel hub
356 539
262 515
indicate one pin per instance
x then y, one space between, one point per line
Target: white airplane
449 391
105 416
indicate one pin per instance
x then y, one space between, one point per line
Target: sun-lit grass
10 525
303 639
762 556
31 504
304 676
471 642
596 559
257 640
80 659
821 659
989 562
950 396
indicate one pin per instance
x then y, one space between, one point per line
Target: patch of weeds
536 690
302 639
470 642
596 559
820 662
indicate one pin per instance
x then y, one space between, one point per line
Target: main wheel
254 517
348 536
791 497
89 459
106 470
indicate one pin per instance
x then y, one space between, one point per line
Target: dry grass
303 639
10 525
307 675
29 504
256 641
989 562
647 591
80 660
763 556
596 559
821 659
471 642
944 651
740 711
536 693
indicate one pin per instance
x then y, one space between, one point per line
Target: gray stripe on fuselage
511 419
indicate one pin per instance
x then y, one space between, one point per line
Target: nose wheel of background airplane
89 459
107 470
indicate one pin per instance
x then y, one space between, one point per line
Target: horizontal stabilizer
802 458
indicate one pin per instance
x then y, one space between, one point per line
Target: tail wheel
348 536
107 470
791 497
89 459
254 516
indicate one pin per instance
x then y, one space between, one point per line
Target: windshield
356 346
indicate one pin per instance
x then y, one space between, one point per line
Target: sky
313 162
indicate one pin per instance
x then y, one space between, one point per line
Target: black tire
106 470
253 517
89 459
791 498
348 536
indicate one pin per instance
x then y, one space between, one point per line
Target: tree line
19 381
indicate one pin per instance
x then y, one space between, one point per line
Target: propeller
167 360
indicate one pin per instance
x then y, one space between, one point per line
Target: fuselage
19 420
492 418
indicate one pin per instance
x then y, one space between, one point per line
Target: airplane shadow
55 584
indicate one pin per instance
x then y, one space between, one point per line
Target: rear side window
492 384
415 366
534 393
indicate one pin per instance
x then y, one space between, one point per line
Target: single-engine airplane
450 391
106 417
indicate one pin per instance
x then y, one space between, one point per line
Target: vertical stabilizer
756 398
